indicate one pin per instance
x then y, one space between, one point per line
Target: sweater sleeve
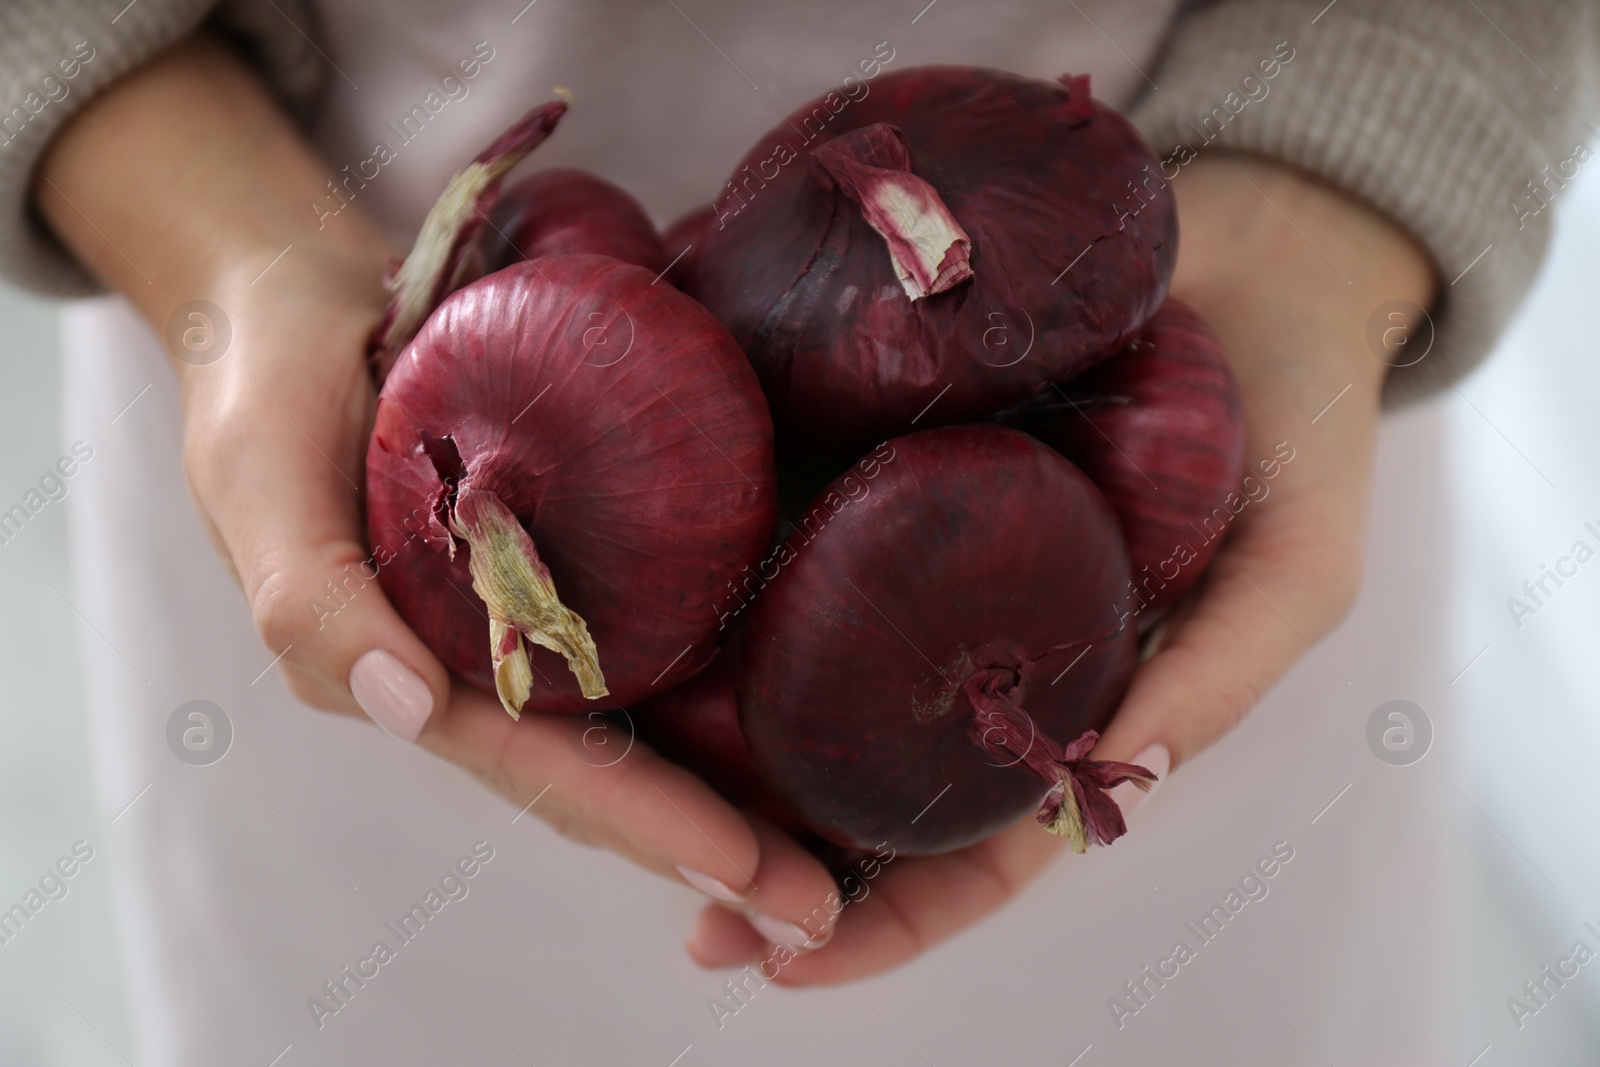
1460 120
56 54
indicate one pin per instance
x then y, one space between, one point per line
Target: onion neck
516 586
927 246
1077 805
446 254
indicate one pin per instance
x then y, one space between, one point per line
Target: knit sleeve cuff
1423 111
56 55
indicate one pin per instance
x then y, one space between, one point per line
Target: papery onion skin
448 251
973 547
624 429
1072 230
565 212
1159 428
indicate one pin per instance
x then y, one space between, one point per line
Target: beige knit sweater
1461 119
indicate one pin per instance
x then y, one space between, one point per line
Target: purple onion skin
645 480
1037 173
683 240
696 725
1160 429
567 212
972 547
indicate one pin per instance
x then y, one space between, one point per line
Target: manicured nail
1155 759
391 693
711 887
786 934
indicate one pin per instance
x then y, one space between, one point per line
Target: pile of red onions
965 265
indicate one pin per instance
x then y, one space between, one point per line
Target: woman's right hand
183 182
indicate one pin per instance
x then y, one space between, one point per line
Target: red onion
1159 428
683 240
696 725
558 212
924 635
638 486
569 461
935 250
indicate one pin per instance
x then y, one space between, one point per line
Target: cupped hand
188 169
1287 271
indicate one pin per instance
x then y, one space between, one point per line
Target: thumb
1287 575
279 474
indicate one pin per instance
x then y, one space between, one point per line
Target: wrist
1245 218
1291 266
185 181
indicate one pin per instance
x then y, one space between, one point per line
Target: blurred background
1520 441
60 971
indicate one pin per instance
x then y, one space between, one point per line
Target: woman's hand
1287 271
184 182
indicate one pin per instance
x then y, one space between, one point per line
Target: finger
915 903
311 690
795 904
618 795
1284 579
277 465
722 938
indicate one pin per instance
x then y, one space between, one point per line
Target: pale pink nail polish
1153 758
391 693
711 887
786 934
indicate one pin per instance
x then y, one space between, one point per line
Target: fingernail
711 887
1155 759
786 934
391 693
